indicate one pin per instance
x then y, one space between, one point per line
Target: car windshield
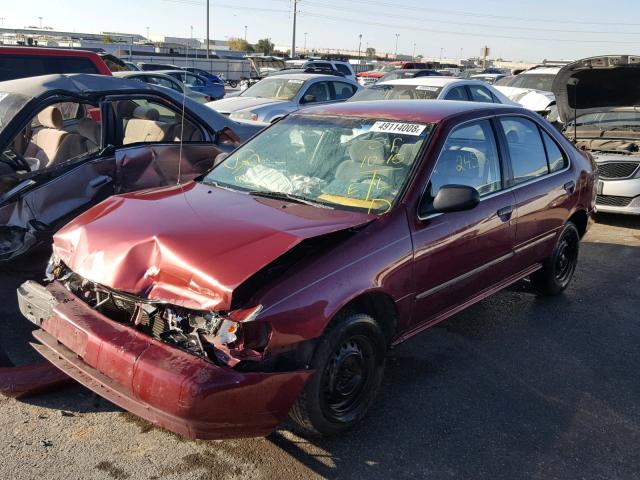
397 92
10 105
276 88
386 68
612 120
340 162
535 81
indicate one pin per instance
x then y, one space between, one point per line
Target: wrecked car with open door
599 102
69 141
301 257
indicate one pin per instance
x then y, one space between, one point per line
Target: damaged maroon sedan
274 284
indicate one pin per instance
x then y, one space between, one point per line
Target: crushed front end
198 374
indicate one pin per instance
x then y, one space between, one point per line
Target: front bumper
619 196
166 386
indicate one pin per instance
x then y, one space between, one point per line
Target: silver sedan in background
274 97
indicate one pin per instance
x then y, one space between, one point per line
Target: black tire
349 362
558 269
233 83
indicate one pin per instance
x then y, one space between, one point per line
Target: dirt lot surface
515 387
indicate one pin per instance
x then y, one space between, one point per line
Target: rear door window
343 69
480 94
21 66
457 93
343 90
526 150
556 157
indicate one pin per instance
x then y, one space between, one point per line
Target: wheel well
380 307
580 220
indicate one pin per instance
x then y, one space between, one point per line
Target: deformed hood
189 245
597 84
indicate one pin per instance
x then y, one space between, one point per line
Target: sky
518 30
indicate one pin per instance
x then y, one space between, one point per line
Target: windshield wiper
289 197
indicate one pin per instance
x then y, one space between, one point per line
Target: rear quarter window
21 66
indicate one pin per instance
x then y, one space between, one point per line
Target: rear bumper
166 386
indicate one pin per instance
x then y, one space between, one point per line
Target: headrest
51 117
125 108
367 152
146 113
89 129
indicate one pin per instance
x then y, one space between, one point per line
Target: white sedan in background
433 88
274 97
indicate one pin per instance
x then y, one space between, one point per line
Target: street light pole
305 43
359 48
396 54
293 40
147 33
208 42
413 56
245 33
40 22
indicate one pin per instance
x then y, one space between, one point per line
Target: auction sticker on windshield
427 88
414 129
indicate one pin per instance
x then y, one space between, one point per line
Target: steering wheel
377 175
20 162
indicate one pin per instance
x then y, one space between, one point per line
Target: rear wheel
558 269
349 364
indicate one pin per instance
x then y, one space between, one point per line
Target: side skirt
475 299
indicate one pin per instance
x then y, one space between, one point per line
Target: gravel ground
514 387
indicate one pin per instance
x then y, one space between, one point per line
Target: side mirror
451 198
308 98
228 136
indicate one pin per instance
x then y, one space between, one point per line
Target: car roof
73 83
545 70
426 111
431 81
306 76
142 73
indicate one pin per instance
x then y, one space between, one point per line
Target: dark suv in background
21 62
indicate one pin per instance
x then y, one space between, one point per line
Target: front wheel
558 269
349 363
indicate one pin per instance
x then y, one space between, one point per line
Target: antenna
184 96
574 81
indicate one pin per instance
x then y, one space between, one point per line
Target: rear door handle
570 186
505 213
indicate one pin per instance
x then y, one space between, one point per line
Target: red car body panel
168 387
423 270
95 59
164 261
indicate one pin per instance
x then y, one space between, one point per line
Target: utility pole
396 54
293 40
245 33
359 48
413 56
305 44
207 29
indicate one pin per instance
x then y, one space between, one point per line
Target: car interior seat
50 144
145 126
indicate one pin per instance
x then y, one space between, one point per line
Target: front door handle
569 186
505 213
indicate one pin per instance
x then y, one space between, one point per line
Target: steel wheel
346 380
